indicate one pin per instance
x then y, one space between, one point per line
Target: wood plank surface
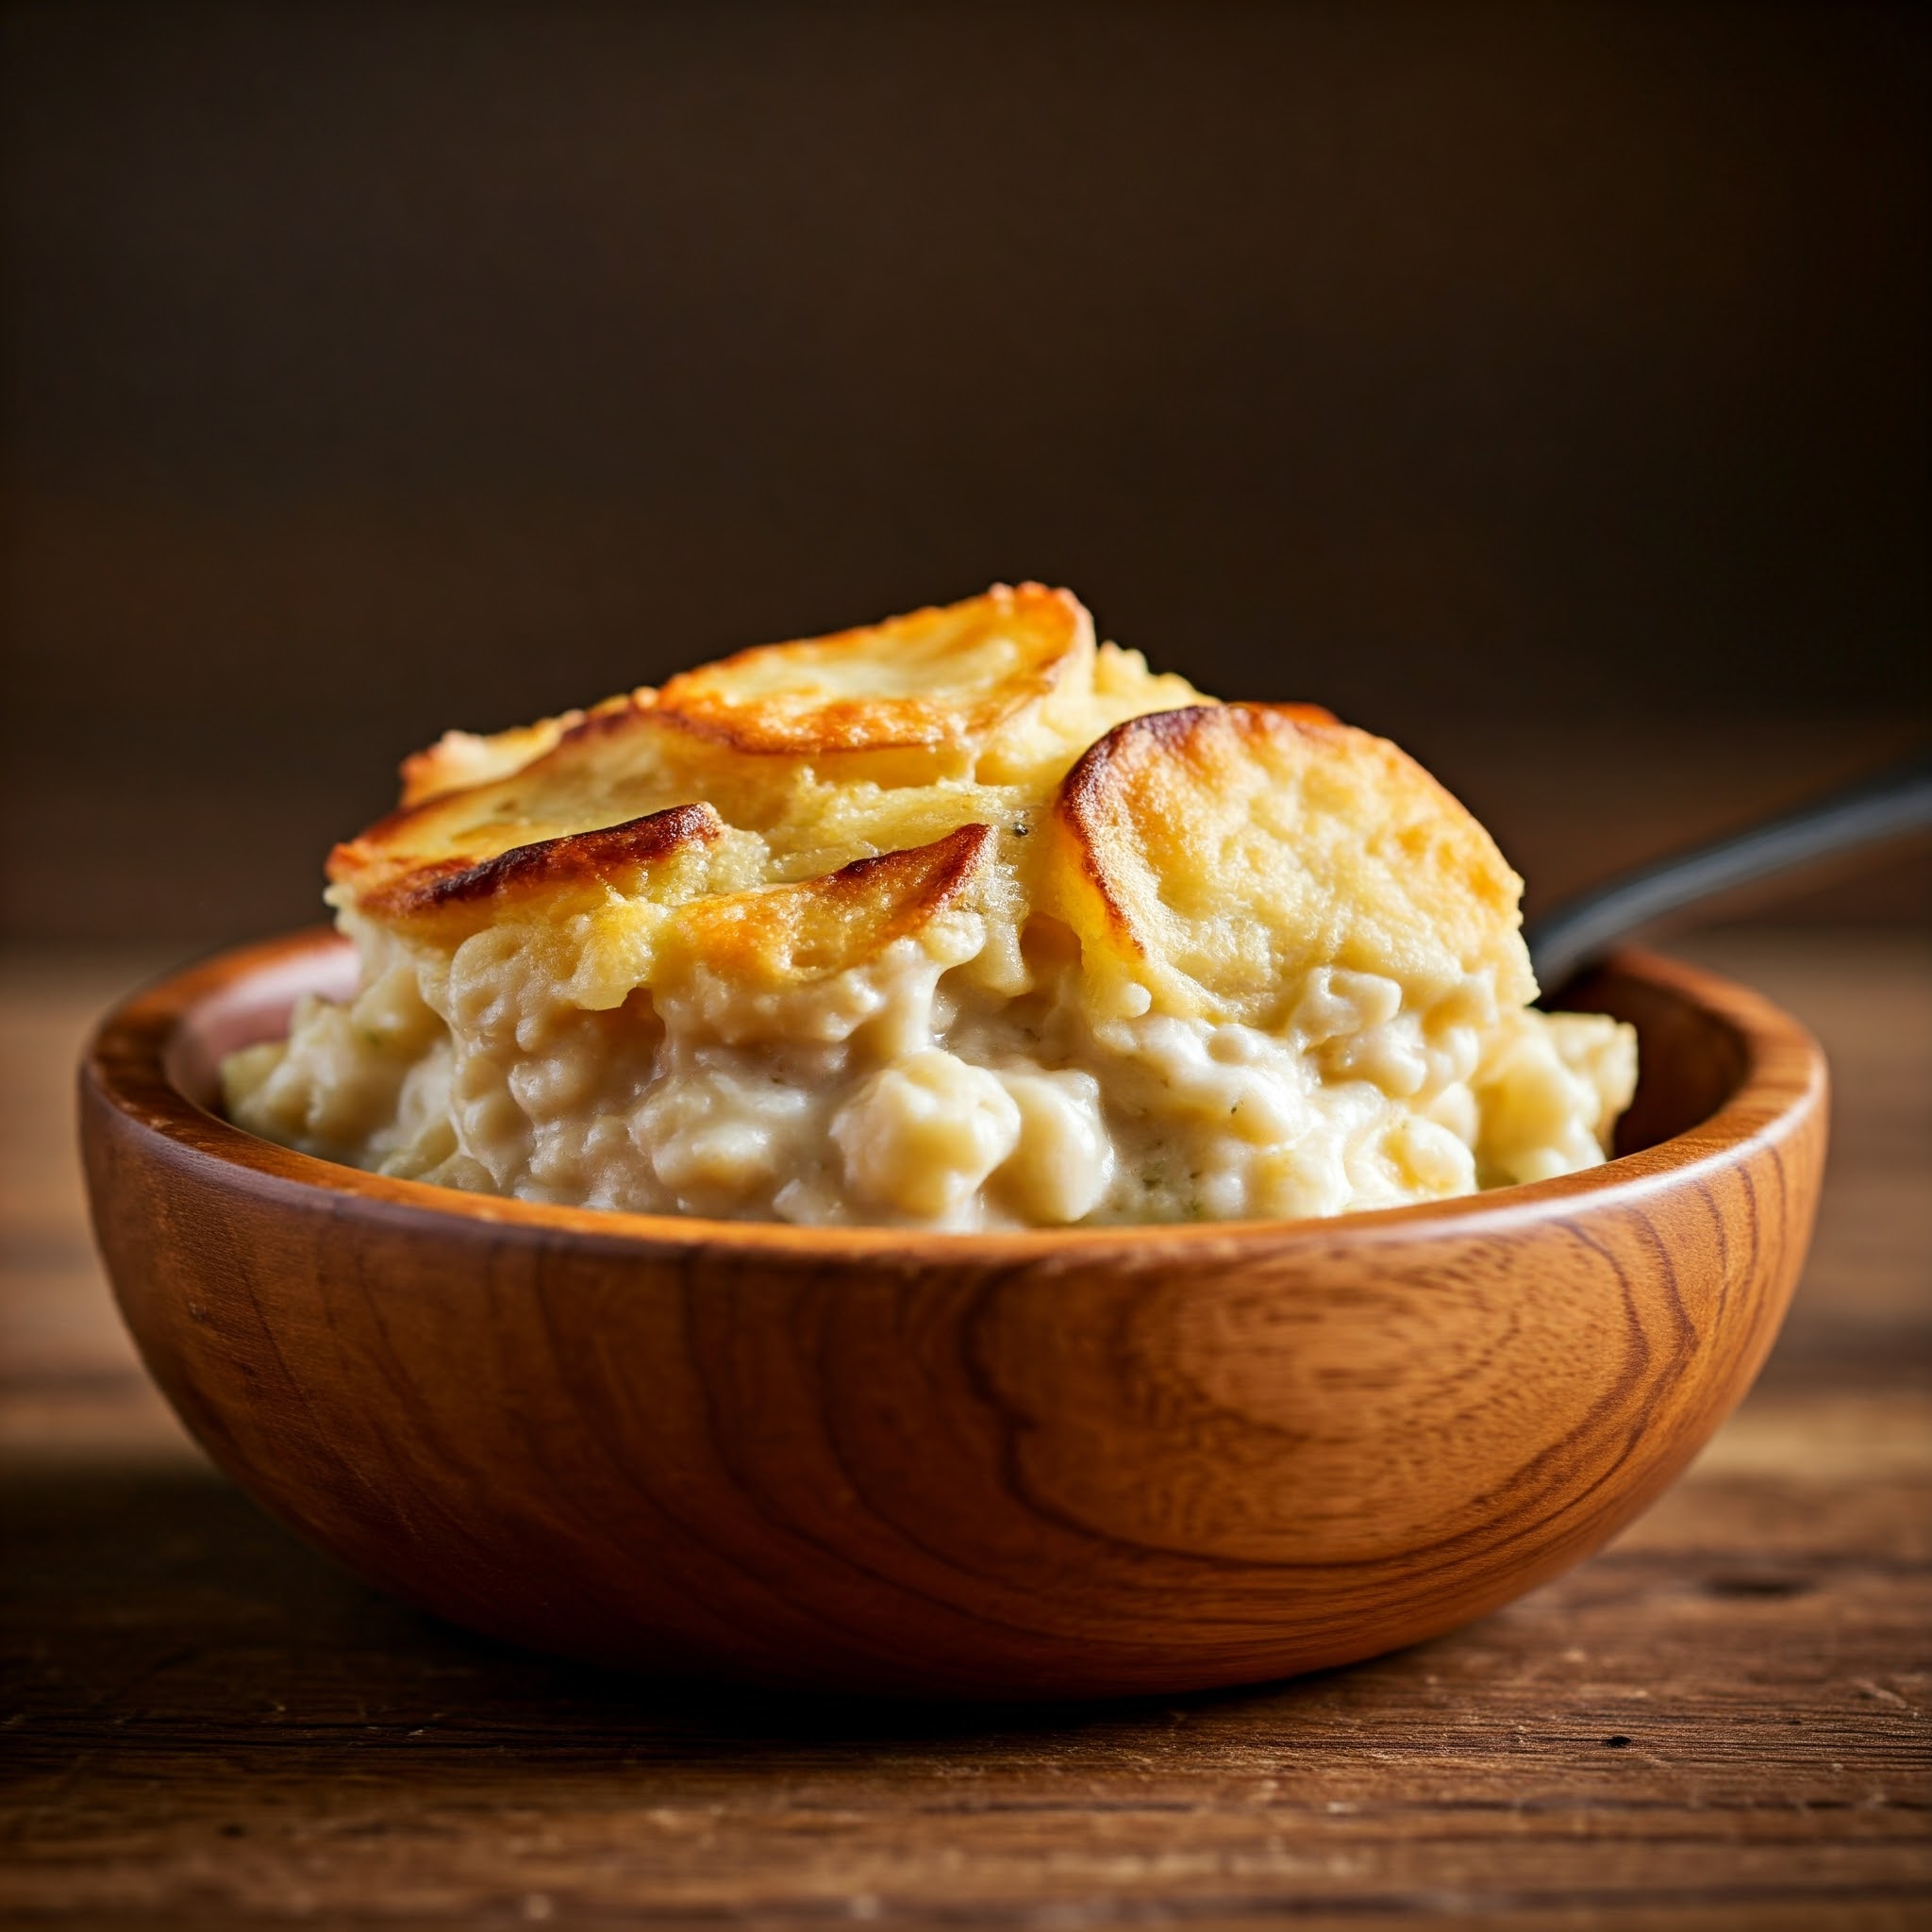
1720 1721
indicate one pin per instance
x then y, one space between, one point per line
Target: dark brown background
1544 386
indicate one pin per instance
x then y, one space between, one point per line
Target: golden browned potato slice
786 936
939 680
608 795
489 822
1214 856
552 870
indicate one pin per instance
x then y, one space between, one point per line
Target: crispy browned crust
1207 857
785 698
917 882
1217 854
444 829
608 855
838 920
942 677
1110 767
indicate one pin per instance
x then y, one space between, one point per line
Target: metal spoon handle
1884 806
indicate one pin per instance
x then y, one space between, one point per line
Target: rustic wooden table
1720 1721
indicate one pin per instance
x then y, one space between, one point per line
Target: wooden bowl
1046 1464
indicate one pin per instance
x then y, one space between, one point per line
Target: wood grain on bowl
1041 1464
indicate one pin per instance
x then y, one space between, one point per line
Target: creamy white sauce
905 1093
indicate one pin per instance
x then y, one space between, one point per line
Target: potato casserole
959 920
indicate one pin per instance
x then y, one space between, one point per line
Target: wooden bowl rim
1784 1074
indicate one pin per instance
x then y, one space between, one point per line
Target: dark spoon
1579 931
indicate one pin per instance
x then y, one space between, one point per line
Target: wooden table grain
1721 1721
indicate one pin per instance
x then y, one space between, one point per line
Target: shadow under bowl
1050 1464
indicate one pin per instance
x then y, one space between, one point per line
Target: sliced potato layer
812 756
802 803
792 935
942 678
607 770
1214 856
